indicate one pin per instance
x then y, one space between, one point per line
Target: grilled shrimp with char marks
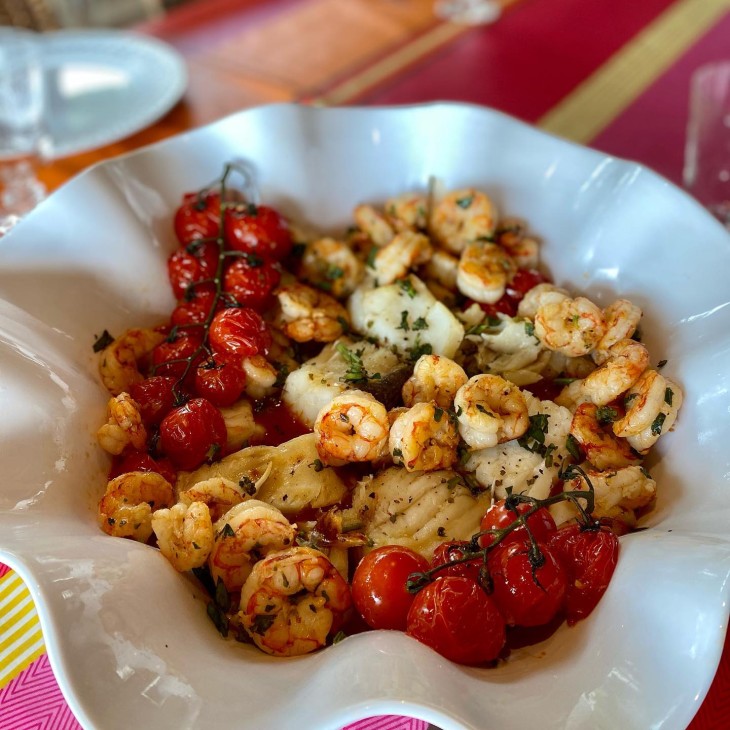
293 601
462 217
571 326
184 534
353 427
119 363
424 438
603 449
309 314
626 361
124 426
435 378
246 533
484 271
490 410
126 508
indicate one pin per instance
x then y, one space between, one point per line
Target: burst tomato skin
379 586
456 617
141 461
220 383
589 557
197 217
499 516
192 434
251 284
447 552
522 282
258 230
196 309
168 357
238 333
185 268
155 398
526 596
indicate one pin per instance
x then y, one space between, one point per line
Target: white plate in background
128 639
104 85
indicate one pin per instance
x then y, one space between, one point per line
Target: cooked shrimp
241 427
246 533
652 405
617 491
572 395
331 265
261 376
292 601
352 427
394 261
622 318
524 251
463 217
125 510
118 366
434 378
375 224
184 534
571 326
217 493
626 361
424 438
538 296
484 271
124 426
409 210
602 448
308 314
490 410
442 268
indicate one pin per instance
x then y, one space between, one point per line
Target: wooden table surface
607 87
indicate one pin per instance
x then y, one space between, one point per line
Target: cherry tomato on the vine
169 356
141 461
155 398
379 586
239 332
447 552
589 557
250 280
527 594
257 229
456 617
499 516
185 268
196 309
220 383
192 434
198 217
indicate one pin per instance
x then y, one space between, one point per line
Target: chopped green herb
103 341
407 286
334 272
485 411
668 394
356 372
441 532
248 485
222 598
656 426
549 454
437 414
419 348
606 414
338 637
420 324
397 453
370 261
530 328
490 322
661 364
629 398
262 623
317 465
465 202
571 444
219 619
404 321
565 381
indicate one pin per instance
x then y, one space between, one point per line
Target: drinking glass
21 124
707 151
468 12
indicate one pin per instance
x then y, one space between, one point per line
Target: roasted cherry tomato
379 586
196 309
198 217
455 616
528 593
499 516
193 434
185 268
589 557
220 383
447 552
169 356
250 281
505 305
239 332
141 461
257 229
523 281
155 398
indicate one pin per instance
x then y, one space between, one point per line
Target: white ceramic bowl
129 639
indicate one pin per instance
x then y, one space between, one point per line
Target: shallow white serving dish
128 639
